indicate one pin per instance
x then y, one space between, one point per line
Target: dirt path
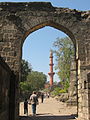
51 109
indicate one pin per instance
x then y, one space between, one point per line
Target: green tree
64 54
35 81
26 68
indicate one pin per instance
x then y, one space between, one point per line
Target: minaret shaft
51 73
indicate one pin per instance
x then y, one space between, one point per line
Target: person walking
26 107
34 102
42 97
48 95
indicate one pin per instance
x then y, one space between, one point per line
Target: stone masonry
18 20
7 92
73 86
4 90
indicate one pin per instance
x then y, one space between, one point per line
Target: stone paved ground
50 110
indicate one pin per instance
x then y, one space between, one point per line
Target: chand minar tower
51 73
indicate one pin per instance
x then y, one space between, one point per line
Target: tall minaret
51 73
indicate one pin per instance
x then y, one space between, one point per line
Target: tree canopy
64 55
35 81
26 68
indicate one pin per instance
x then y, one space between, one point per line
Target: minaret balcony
51 73
51 64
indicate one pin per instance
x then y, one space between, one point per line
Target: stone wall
5 75
6 105
73 85
88 86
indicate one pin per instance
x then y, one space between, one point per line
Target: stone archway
18 20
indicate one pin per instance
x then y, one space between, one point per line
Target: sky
36 48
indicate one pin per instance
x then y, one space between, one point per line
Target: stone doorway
18 20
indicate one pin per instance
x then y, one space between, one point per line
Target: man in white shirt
34 102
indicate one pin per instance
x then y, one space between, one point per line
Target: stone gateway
18 20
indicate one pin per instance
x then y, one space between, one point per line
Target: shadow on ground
37 117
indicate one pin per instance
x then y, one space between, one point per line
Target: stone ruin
18 20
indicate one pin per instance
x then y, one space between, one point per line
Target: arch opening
59 27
